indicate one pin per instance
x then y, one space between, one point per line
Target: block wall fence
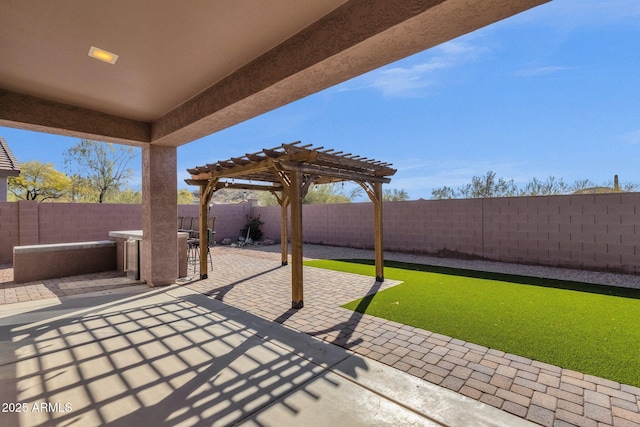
599 232
31 223
578 231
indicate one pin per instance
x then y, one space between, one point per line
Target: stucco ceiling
190 68
169 51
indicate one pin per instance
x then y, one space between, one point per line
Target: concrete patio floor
396 364
172 356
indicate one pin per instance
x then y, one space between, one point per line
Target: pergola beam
236 170
330 172
245 186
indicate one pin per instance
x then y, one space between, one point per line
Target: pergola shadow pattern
156 359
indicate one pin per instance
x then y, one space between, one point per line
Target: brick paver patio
53 288
542 393
255 282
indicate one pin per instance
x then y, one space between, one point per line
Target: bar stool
193 251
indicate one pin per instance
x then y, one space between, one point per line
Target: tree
394 195
319 194
624 187
126 196
582 184
39 181
488 186
550 187
185 197
80 190
444 193
328 193
630 186
102 165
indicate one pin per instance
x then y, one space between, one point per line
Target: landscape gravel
311 251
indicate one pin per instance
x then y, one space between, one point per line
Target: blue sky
554 91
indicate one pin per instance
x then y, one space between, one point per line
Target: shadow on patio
170 357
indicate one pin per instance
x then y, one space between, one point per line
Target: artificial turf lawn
591 329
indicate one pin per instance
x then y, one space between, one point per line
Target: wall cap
63 246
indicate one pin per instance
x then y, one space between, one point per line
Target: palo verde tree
320 194
488 186
39 181
323 194
102 166
549 187
395 195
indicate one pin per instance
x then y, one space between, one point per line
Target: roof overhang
188 69
9 166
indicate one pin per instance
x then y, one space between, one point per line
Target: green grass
589 328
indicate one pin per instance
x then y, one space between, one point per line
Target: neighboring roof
597 190
324 166
9 166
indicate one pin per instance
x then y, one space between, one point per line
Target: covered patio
287 172
152 87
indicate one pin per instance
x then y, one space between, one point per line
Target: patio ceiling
190 68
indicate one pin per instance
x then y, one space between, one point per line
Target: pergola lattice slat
289 170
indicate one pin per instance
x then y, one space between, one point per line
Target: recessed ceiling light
103 55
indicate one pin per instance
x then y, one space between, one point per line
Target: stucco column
159 257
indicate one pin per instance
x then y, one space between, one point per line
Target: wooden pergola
287 172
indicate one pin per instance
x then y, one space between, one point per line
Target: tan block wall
28 222
77 222
581 231
229 218
271 218
9 230
32 223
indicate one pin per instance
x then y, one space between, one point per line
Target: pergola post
284 235
283 201
296 240
206 192
377 215
374 191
